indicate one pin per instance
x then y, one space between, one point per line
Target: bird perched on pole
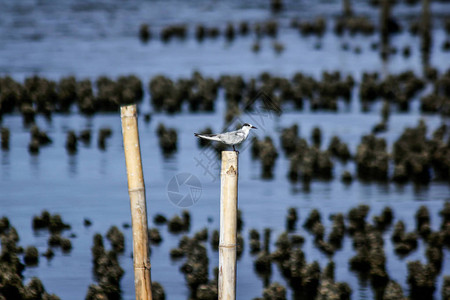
229 138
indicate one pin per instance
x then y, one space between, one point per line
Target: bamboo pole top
128 111
131 146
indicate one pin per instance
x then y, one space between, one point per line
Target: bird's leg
235 150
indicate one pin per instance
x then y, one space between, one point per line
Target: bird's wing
233 137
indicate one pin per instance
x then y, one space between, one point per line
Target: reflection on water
97 177
72 164
34 165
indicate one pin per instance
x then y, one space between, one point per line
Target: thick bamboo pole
228 225
136 190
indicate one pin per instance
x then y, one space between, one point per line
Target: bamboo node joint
138 189
227 245
128 116
146 266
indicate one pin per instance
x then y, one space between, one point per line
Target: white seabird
229 138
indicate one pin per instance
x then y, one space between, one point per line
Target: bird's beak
254 127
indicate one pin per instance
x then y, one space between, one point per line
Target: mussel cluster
39 95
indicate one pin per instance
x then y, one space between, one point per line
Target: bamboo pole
228 225
347 8
136 190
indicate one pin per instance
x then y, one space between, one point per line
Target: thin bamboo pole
228 225
136 190
347 8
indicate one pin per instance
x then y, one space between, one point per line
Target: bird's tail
206 136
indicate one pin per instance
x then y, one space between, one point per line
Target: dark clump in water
28 113
53 223
393 291
289 138
56 240
158 291
339 149
31 257
263 261
421 280
434 254
67 94
201 235
200 32
154 236
354 25
173 31
106 269
87 222
306 162
168 139
372 158
337 233
116 238
415 155
12 286
195 268
159 219
179 224
313 218
35 290
291 219
274 291
48 253
423 221
404 242
370 259
329 289
254 241
95 292
42 94
215 236
229 32
268 154
357 219
446 288
316 136
435 102
315 27
103 134
38 138
383 221
33 147
145 33
71 142
244 28
5 137
85 136
346 177
276 5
